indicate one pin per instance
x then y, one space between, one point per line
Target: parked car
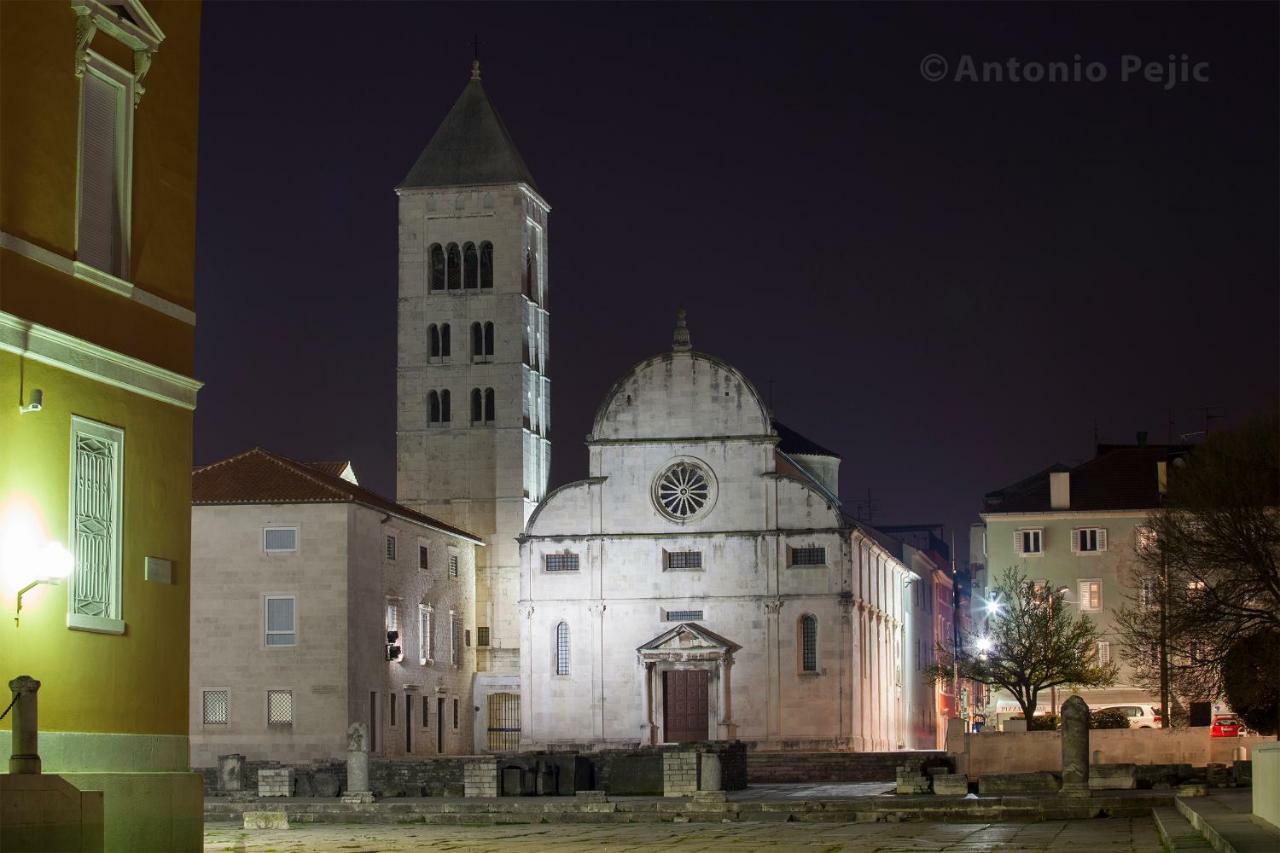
1225 727
1140 716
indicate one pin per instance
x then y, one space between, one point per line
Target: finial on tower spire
680 342
475 58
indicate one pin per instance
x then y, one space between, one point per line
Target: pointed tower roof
471 146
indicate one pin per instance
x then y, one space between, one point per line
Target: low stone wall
435 777
1029 752
765 768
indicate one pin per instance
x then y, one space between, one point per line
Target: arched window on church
477 406
562 648
470 277
445 344
477 340
454 267
433 407
486 264
488 405
433 336
437 267
488 338
444 407
527 286
808 643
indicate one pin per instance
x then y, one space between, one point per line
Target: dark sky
951 283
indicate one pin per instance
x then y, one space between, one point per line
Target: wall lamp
26 556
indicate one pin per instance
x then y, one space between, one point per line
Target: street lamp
25 555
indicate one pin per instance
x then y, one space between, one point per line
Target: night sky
951 283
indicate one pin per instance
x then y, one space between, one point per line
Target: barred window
562 648
809 643
455 639
682 616
482 636
560 562
391 547
216 708
810 555
453 564
280 707
684 560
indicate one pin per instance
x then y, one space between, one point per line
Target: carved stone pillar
25 758
727 729
771 609
648 731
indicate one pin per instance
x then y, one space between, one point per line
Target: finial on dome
680 342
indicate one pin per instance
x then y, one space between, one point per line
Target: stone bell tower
472 431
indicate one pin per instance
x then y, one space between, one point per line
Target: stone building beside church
472 423
702 582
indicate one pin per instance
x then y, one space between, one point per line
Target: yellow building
98 132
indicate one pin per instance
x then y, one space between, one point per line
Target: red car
1225 727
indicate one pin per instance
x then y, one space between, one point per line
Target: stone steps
1176 832
1224 820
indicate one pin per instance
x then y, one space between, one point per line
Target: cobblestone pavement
1112 835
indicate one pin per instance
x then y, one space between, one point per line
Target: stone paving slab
1116 835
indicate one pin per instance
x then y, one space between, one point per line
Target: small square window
280 707
391 547
279 540
810 555
560 562
482 636
216 708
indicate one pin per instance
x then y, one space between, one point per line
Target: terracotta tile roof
334 468
261 477
1119 477
792 442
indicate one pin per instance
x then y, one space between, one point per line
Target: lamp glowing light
984 644
994 606
27 557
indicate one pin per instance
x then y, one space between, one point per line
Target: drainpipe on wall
25 756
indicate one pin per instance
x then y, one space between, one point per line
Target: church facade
702 583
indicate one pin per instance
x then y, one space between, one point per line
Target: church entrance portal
684 712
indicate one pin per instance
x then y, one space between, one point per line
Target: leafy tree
1209 571
1034 644
1248 676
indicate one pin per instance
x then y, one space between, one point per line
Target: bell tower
473 397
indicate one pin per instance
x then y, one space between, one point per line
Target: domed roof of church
681 394
471 147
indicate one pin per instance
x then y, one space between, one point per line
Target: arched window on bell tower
444 407
488 338
437 266
454 267
444 341
433 407
470 271
486 264
477 406
433 338
488 405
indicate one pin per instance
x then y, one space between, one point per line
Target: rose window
683 490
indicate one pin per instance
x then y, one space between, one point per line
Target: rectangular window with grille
391 547
560 562
216 708
682 616
809 555
1104 651
280 619
684 560
279 540
453 564
422 557
1147 594
424 634
95 587
455 639
808 644
280 707
482 636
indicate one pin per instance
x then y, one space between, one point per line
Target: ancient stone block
266 820
951 784
1017 783
231 772
276 782
1113 777
1075 747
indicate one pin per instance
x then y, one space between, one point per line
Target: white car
1140 716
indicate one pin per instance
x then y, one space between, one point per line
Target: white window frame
274 596
1018 541
292 550
425 628
392 616
104 69
1080 591
1098 536
1103 648
112 621
204 717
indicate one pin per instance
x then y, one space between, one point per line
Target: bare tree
1210 567
1034 643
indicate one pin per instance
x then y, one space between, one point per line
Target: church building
702 583
473 397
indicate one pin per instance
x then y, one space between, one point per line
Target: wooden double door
684 705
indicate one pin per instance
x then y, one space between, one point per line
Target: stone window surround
817 657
